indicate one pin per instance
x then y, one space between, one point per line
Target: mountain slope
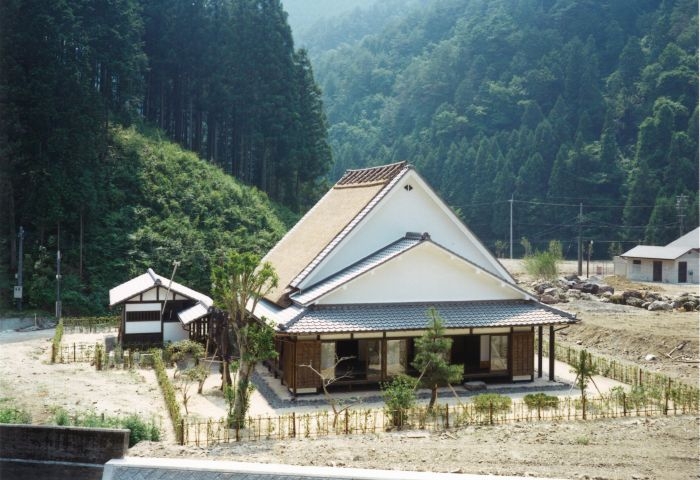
552 103
155 204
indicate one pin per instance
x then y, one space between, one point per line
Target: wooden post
447 415
551 353
539 351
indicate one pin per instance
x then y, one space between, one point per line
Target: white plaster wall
142 307
693 260
174 331
402 211
423 274
669 270
142 327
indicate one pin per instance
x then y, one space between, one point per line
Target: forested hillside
583 112
222 78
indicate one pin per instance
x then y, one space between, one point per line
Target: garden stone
475 385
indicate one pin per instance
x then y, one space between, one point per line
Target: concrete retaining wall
37 451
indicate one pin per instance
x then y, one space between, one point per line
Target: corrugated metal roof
149 280
689 240
413 316
653 252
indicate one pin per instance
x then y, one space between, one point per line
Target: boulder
605 288
589 287
573 293
690 306
573 278
650 357
541 287
632 294
552 292
658 305
549 299
634 302
617 298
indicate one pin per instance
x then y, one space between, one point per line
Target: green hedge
168 390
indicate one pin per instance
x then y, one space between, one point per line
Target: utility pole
511 226
176 264
58 274
20 266
680 208
580 245
58 284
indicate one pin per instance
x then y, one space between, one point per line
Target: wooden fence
90 324
443 418
622 371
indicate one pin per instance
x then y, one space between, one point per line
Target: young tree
240 282
584 370
328 377
432 355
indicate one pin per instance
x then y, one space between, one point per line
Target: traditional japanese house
359 272
157 310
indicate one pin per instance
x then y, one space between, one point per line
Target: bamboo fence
442 418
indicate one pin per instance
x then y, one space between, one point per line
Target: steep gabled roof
327 223
150 279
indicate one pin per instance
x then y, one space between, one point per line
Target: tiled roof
413 316
370 175
357 269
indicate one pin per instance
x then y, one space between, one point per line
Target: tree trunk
433 397
241 402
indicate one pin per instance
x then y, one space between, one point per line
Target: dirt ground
629 448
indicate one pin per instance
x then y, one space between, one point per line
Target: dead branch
678 347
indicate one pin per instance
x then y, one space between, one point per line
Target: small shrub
140 430
179 350
582 441
61 418
540 401
492 402
399 395
14 415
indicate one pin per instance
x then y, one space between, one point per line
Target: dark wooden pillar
551 353
539 351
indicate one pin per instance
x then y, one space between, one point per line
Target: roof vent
408 187
414 236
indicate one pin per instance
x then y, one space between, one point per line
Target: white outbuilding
157 310
677 262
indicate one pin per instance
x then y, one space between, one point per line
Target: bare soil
628 448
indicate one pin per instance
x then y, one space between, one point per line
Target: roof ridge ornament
156 280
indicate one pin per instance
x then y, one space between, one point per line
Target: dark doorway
657 272
682 272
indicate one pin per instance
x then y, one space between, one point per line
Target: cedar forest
134 133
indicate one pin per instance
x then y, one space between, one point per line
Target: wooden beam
551 353
539 351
